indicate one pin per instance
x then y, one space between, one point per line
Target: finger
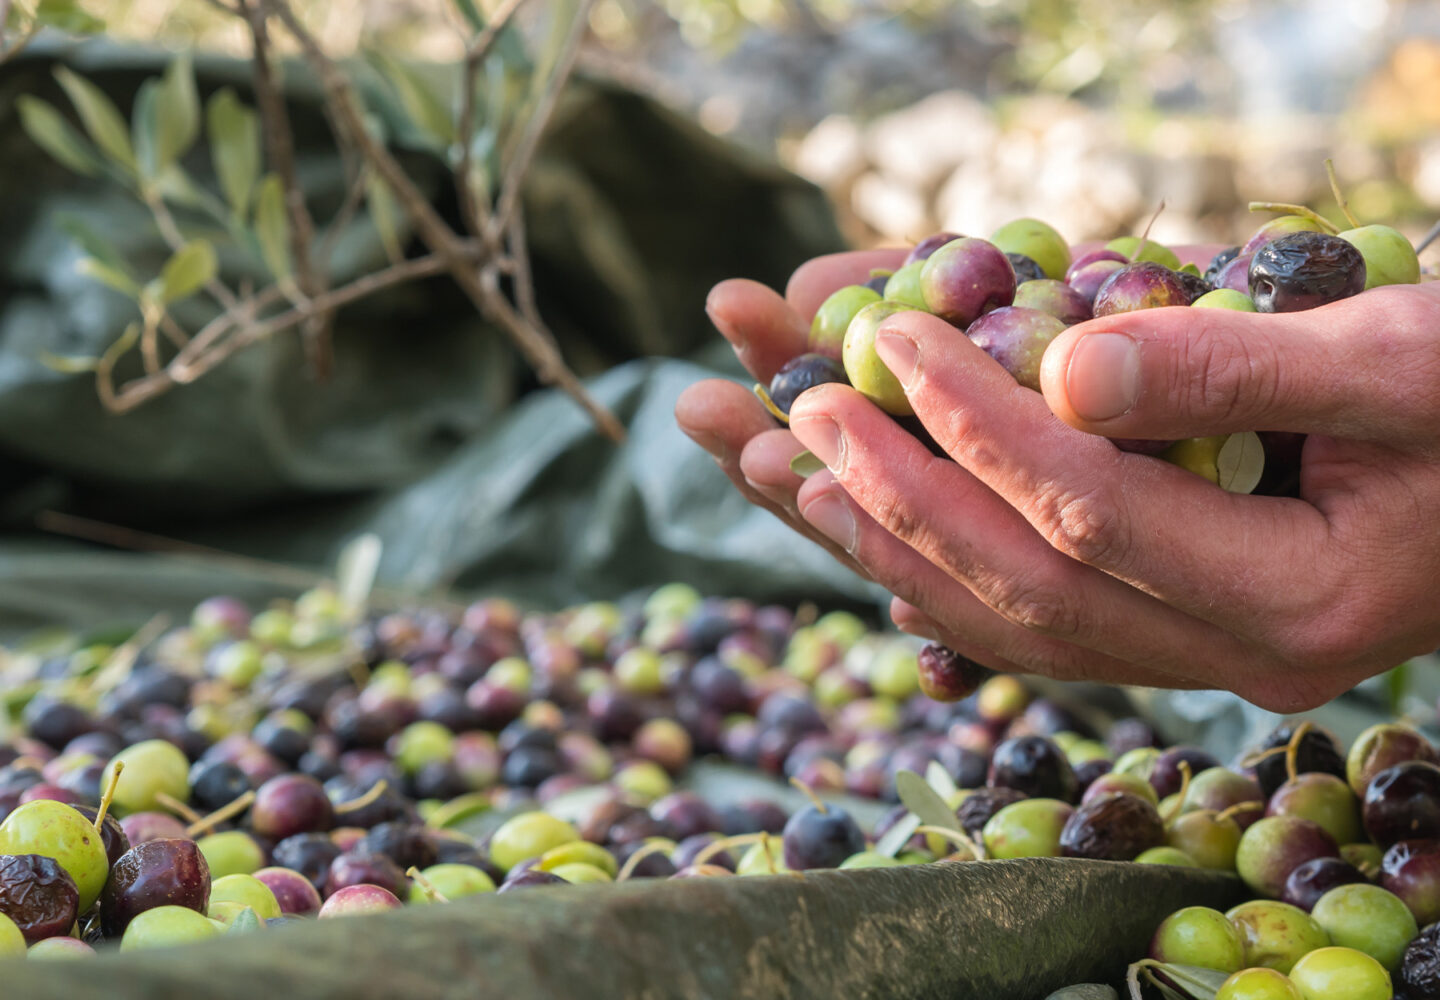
814 280
725 419
994 641
1225 558
762 328
1361 368
951 518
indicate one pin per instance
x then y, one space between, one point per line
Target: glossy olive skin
800 373
155 873
1305 270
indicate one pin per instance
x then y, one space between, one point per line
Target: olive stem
724 844
376 790
426 886
108 796
1326 226
1179 806
1427 239
643 852
1145 233
1237 808
222 814
177 807
765 849
810 794
1292 750
955 837
1339 198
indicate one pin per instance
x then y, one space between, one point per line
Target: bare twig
524 281
173 331
280 147
519 164
473 210
150 343
538 349
207 349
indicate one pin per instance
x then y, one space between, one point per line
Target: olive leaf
67 364
272 227
108 275
923 801
90 241
67 16
178 112
49 130
939 779
1241 462
806 464
1181 982
245 922
187 271
102 120
145 128
234 132
419 100
471 14
897 836
1397 685
763 394
384 215
1085 991
355 571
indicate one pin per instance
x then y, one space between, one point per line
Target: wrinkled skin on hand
1039 547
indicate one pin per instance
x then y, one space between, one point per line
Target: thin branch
150 344
519 164
173 331
523 281
280 146
538 349
472 209
190 365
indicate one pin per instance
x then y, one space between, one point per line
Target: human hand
1044 549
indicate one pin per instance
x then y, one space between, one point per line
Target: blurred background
916 115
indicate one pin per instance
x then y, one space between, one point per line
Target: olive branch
487 135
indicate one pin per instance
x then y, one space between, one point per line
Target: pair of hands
1038 547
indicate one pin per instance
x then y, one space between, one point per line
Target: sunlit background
960 114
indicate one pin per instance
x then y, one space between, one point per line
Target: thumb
1363 368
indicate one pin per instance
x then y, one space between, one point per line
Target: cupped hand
1039 547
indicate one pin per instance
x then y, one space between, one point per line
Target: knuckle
1086 526
1226 377
1036 604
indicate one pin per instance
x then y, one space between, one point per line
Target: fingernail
822 436
832 518
899 353
1103 378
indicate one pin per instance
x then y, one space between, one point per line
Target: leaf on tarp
1183 982
187 271
897 836
939 779
272 227
1241 462
102 120
355 572
49 130
923 801
245 922
234 132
